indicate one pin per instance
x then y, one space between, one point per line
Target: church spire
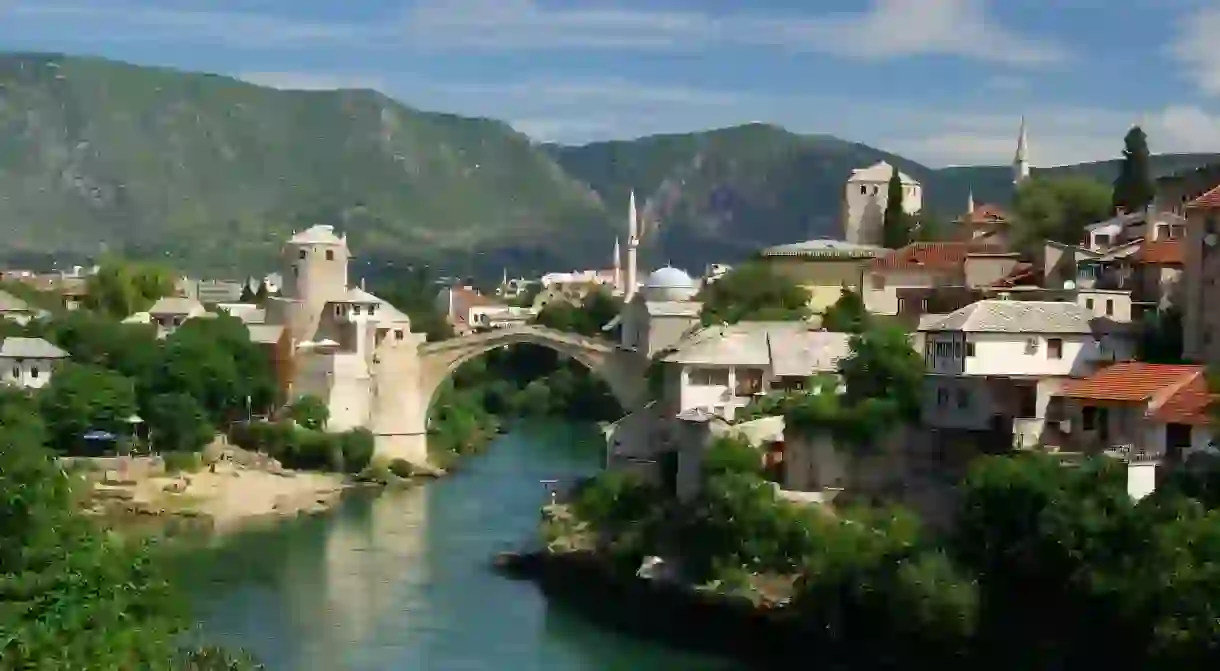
1020 162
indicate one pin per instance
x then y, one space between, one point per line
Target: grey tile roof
801 353
825 247
1009 316
172 305
30 348
789 348
10 303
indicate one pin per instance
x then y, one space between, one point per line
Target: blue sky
940 81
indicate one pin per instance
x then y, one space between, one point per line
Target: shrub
402 468
176 462
357 447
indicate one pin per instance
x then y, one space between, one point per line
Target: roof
1190 404
30 348
1020 275
932 256
983 215
358 295
265 334
668 278
878 172
825 247
1208 201
172 305
317 235
1008 316
10 303
789 348
1162 252
1136 381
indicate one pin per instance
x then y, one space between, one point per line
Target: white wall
1009 354
716 398
881 289
28 373
1114 305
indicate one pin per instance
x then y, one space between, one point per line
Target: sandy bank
224 495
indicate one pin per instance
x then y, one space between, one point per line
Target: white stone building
28 362
865 197
169 313
996 363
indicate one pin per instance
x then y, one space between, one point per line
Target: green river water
402 581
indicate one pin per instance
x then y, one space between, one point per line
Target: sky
944 82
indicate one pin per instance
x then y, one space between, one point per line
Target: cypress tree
896 227
1133 188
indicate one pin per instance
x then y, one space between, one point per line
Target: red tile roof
1189 405
1130 381
1162 252
1208 201
462 299
932 256
983 215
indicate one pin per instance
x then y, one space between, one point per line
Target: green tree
248 295
846 315
262 294
1133 188
178 423
883 366
85 398
215 361
754 292
120 288
896 226
1058 209
310 412
1161 338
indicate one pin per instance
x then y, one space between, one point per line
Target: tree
310 412
248 295
883 366
215 361
847 315
85 398
263 293
896 226
178 423
120 289
1058 209
1161 338
754 292
1133 188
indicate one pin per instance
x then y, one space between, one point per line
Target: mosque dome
669 284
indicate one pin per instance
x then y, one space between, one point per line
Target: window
863 190
1031 346
301 254
963 399
338 310
969 348
1088 418
34 372
708 377
1088 303
330 255
942 397
902 304
878 282
296 272
398 334
957 349
1054 348
749 381
355 309
16 371
923 305
1109 306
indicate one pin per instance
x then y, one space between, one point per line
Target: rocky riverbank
226 488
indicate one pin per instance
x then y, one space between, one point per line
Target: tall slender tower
633 242
970 202
618 267
1020 162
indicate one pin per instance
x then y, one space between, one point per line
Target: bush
176 462
402 468
357 446
304 449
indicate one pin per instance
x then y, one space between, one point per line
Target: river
402 581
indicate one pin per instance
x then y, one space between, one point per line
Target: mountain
211 174
214 173
721 194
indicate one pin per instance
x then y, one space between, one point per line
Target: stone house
822 267
29 362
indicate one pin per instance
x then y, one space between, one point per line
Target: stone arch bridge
406 378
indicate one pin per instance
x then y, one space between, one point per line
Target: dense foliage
753 292
846 315
897 224
1134 188
72 597
1058 209
298 447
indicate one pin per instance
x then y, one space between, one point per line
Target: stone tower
314 268
1020 162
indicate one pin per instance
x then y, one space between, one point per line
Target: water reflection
403 581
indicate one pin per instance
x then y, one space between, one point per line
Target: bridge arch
616 367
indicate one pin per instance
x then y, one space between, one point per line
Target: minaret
618 267
1020 162
633 242
970 202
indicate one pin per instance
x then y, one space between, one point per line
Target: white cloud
310 81
890 28
1195 48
